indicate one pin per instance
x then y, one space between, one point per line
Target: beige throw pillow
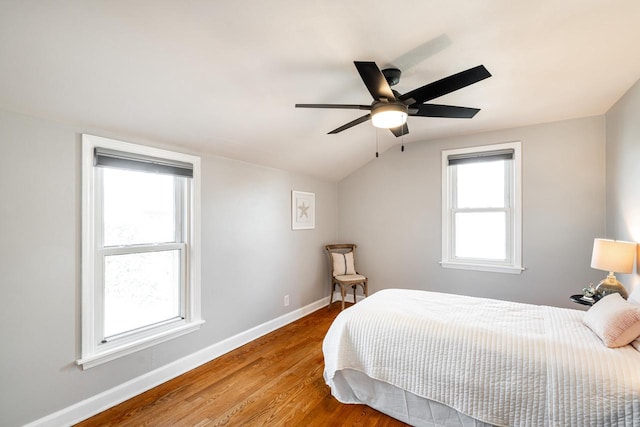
343 263
614 320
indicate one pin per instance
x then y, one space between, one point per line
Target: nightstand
581 299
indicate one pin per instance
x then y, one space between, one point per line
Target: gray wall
392 209
623 173
250 260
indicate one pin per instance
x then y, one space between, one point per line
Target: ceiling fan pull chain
402 146
376 142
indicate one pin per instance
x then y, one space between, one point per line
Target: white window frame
513 263
95 350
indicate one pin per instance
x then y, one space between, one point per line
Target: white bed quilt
502 363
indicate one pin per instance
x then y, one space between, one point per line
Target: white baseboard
109 398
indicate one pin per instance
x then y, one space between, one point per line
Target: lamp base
611 285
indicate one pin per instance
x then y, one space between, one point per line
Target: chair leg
333 288
343 292
354 293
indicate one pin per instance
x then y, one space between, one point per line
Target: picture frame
303 210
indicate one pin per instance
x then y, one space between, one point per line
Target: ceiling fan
390 108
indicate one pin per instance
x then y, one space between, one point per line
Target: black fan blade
352 123
374 80
400 130
436 110
341 106
445 86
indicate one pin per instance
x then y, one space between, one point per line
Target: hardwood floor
275 380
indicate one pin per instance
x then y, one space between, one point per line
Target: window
481 219
140 248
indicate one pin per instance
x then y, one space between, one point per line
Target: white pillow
343 263
634 297
614 320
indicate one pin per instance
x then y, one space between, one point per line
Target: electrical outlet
286 300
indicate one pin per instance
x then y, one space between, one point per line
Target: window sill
482 267
100 357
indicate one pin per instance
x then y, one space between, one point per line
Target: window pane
139 207
480 235
481 184
140 289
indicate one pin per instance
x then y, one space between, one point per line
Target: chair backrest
342 265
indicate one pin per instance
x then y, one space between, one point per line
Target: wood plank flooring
275 380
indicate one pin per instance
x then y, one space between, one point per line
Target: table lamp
613 256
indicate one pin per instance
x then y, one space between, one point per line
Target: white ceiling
222 77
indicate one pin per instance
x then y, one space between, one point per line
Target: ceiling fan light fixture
388 115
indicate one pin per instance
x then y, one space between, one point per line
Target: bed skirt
399 404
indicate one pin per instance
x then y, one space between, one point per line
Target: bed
432 359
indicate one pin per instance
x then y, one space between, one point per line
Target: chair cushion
350 278
343 263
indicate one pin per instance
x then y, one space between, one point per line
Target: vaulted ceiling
222 77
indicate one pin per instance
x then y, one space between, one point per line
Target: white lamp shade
388 116
613 255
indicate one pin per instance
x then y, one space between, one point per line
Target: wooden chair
343 271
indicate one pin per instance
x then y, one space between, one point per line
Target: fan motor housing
392 75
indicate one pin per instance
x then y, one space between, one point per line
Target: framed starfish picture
303 210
